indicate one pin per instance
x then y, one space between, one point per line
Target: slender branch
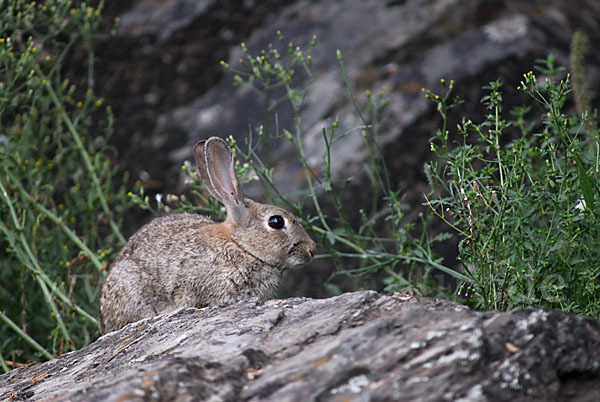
31 262
3 362
23 335
58 221
84 155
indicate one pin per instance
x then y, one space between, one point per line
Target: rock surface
162 76
358 346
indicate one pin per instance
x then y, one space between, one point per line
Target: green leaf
331 238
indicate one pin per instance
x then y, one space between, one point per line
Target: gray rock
161 19
358 346
402 46
152 73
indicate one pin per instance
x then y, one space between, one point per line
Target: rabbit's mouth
300 254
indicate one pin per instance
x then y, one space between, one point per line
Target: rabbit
187 260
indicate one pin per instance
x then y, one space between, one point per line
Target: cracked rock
358 346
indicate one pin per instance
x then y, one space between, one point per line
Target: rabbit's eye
276 221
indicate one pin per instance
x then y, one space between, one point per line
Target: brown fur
187 260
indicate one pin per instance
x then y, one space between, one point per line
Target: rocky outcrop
358 346
401 46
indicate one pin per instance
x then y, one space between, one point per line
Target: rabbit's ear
215 163
200 156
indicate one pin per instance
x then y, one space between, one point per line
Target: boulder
357 346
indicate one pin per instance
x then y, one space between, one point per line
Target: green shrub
60 200
521 192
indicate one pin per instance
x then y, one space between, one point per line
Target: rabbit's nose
311 249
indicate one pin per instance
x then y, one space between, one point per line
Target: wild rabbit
188 260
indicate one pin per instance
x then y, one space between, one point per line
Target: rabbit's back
140 279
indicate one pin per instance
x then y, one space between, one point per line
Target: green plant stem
309 174
443 218
32 260
50 302
27 338
334 198
58 221
364 254
84 155
3 362
500 168
388 270
32 264
385 180
497 223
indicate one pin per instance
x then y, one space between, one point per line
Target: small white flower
158 198
581 205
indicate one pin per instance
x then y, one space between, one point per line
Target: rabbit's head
268 233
